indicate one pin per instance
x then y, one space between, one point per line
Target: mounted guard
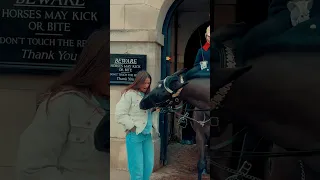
201 66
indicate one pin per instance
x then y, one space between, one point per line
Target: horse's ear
178 73
291 5
309 4
223 76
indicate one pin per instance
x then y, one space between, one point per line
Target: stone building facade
136 28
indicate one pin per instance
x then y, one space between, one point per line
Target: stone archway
138 21
163 12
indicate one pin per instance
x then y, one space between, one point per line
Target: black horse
174 88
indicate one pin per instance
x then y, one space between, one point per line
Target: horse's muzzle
143 106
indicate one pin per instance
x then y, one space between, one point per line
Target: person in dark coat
201 66
204 53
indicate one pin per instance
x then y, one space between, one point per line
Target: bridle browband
167 88
170 91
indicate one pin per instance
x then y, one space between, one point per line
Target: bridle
166 105
174 100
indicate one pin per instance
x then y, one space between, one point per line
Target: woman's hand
155 109
131 130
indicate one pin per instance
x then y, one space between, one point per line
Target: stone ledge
116 2
122 35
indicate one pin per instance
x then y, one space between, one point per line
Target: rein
183 117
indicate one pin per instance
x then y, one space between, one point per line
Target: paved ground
182 165
119 175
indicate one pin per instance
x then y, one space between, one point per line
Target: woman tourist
138 125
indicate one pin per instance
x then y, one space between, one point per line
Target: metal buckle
183 120
245 168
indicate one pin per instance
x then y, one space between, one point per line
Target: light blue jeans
140 154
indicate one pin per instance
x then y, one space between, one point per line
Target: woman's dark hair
139 80
91 63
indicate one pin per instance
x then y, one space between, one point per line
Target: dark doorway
195 42
252 12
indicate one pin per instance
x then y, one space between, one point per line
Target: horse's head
165 92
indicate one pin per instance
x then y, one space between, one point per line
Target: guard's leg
202 161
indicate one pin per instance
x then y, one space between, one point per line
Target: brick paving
119 175
182 164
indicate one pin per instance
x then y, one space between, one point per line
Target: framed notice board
47 35
124 67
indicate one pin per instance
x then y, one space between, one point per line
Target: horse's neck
196 94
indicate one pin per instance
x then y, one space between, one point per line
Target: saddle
196 72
